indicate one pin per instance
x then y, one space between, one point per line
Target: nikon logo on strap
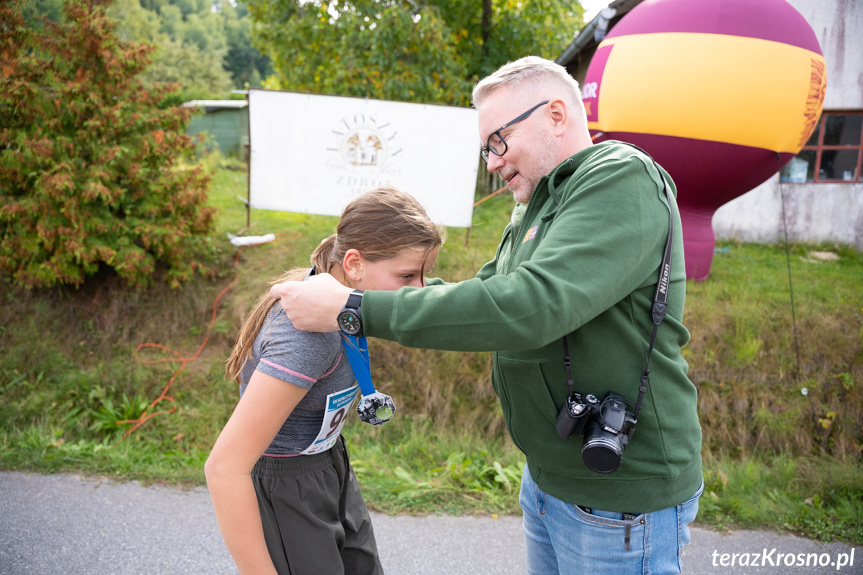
663 281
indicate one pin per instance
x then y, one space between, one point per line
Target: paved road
69 525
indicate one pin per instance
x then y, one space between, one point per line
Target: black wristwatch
350 319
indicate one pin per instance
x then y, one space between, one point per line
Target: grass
768 381
780 395
408 468
818 497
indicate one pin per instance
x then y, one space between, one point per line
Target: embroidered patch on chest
531 233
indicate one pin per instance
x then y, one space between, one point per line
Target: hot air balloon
722 93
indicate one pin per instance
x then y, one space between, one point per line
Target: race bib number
334 420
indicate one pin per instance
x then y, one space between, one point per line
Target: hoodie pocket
530 401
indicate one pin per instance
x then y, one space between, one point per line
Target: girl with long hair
286 500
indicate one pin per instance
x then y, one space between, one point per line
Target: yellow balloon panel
721 88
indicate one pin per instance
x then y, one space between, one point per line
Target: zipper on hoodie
514 237
531 203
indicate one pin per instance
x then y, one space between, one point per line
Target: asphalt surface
69 525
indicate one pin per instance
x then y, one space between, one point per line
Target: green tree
92 172
247 66
216 35
134 23
401 50
33 11
190 46
204 46
199 73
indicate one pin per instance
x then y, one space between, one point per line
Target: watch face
349 322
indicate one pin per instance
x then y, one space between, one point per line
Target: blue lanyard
357 350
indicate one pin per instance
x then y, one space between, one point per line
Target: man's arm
602 244
604 241
314 304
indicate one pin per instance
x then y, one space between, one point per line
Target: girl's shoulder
298 357
278 327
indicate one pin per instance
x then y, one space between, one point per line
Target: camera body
606 426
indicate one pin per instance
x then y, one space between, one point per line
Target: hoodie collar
566 168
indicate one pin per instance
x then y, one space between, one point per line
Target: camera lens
602 451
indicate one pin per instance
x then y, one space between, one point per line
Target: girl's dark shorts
315 519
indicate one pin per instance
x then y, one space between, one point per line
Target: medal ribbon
357 350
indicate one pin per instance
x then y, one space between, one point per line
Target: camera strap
660 299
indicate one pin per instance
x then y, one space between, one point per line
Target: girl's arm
264 407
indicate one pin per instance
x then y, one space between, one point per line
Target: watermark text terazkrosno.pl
776 558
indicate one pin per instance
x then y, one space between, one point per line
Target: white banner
314 154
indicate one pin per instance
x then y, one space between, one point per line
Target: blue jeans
564 539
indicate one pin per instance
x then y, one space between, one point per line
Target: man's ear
352 265
559 116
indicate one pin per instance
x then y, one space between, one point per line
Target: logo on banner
592 85
364 152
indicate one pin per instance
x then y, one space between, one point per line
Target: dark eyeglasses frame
489 148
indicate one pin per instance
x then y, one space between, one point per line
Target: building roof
589 37
211 105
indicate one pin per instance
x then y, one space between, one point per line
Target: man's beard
546 162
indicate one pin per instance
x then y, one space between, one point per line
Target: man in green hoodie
574 276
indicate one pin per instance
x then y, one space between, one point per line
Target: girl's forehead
416 257
417 253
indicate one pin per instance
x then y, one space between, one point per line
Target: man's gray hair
533 68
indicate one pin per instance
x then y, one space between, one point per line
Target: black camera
572 419
606 427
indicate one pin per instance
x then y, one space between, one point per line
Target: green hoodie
581 259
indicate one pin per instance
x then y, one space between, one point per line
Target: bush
92 173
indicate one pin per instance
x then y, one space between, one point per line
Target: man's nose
494 163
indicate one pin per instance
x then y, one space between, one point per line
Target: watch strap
354 300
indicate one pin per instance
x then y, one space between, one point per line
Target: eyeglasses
495 143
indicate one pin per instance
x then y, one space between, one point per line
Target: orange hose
147 414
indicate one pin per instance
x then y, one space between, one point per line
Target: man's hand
313 304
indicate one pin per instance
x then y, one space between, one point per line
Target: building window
833 152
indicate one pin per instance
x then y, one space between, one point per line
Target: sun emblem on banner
365 144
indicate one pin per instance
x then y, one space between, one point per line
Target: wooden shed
226 123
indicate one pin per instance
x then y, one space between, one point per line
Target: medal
374 407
